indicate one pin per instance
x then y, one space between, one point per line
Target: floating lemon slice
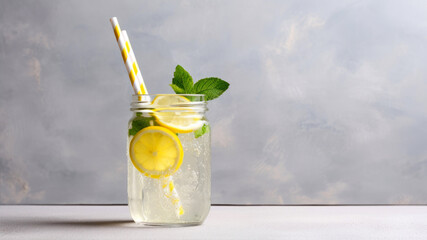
177 119
167 100
156 152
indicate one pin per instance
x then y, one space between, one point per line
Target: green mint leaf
132 132
177 89
182 79
139 123
199 132
211 87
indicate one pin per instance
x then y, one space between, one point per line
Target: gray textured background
327 102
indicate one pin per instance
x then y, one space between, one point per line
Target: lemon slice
156 152
167 100
177 119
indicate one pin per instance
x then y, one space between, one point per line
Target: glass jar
169 170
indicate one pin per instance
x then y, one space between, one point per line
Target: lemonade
169 160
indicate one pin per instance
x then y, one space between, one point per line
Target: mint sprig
140 122
204 129
212 87
182 80
177 89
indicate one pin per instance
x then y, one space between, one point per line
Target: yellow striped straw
126 58
170 192
134 63
139 87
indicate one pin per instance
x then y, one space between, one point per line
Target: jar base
171 225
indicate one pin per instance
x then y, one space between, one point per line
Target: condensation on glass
183 198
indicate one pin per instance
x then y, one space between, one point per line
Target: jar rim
145 102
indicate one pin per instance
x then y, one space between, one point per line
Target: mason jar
169 169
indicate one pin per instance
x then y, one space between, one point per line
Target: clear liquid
146 198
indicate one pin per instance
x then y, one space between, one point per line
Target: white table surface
223 222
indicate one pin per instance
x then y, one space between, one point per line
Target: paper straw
125 54
171 193
139 87
134 63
